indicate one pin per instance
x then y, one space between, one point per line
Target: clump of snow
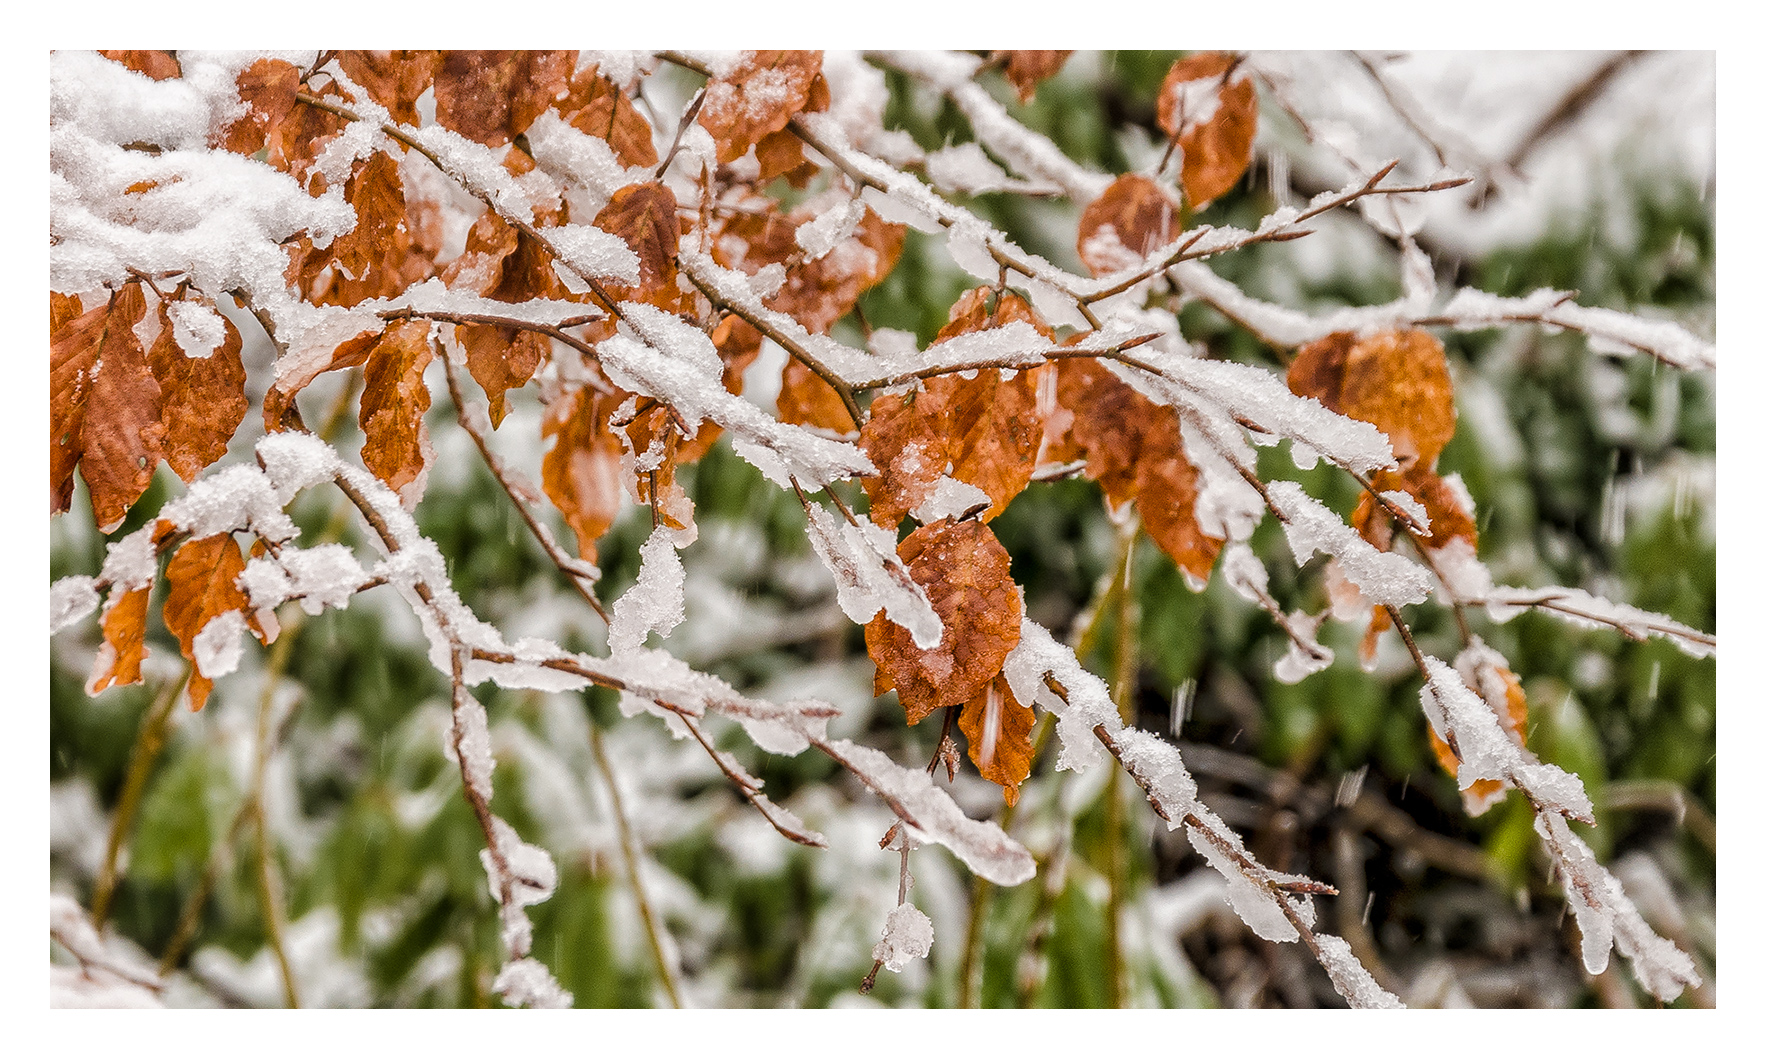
591 252
950 498
830 228
869 576
527 983
1087 705
1250 898
217 648
132 562
907 935
1408 504
1352 980
657 602
1305 655
197 328
71 599
1156 765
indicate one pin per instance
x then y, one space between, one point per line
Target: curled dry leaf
124 624
1447 518
159 65
200 588
967 575
985 431
1214 120
599 107
370 260
757 97
997 727
395 442
203 399
1027 69
493 96
394 79
581 470
104 409
1120 228
1395 380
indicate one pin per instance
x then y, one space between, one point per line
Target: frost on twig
1592 612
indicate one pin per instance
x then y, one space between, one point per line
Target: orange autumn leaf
967 575
501 359
203 399
1214 120
1132 218
493 96
267 88
200 588
104 409
1395 380
818 293
997 727
805 399
1027 69
395 442
368 260
296 140
644 216
599 107
581 470
159 65
778 153
759 95
394 79
118 662
1448 519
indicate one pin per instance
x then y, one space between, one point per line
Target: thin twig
150 738
652 927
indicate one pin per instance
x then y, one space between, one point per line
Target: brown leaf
997 727
601 108
1447 519
493 96
371 256
581 471
644 216
118 662
202 399
967 576
63 310
804 398
822 291
1214 122
1395 380
199 589
394 398
501 359
758 96
121 438
280 410
267 88
1123 226
158 65
778 153
394 79
1026 69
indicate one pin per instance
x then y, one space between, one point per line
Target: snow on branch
1592 612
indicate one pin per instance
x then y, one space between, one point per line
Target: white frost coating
584 160
476 166
657 602
965 167
1592 612
197 329
950 498
71 599
526 983
1384 578
1227 506
1408 504
1245 572
1609 331
907 935
323 576
1487 751
1250 900
829 228
239 497
468 744
1352 980
1159 769
869 575
929 810
296 461
674 362
131 563
1305 655
1086 706
217 647
1463 574
591 252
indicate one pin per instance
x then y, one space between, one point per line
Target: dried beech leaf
121 439
1027 69
820 292
370 258
394 79
501 359
158 65
778 153
125 641
73 351
1123 226
298 138
267 88
804 398
1395 380
1214 120
599 107
644 216
967 576
997 727
581 470
280 411
202 399
757 97
493 96
395 442
1447 519
200 588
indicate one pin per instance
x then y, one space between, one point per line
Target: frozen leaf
1487 674
758 96
200 589
1395 380
159 65
395 440
1025 69
821 291
644 216
599 107
967 575
581 470
805 398
491 96
869 576
997 727
202 398
369 260
124 624
1213 117
1124 225
394 79
267 88
104 409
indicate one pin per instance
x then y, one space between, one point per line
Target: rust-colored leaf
493 96
63 310
73 351
158 65
501 359
1447 518
121 437
601 108
394 79
202 399
758 96
124 623
778 153
1213 117
1395 380
394 398
370 258
985 431
806 399
199 589
644 216
997 727
1027 69
1120 228
267 88
581 470
820 292
298 138
967 576
280 410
